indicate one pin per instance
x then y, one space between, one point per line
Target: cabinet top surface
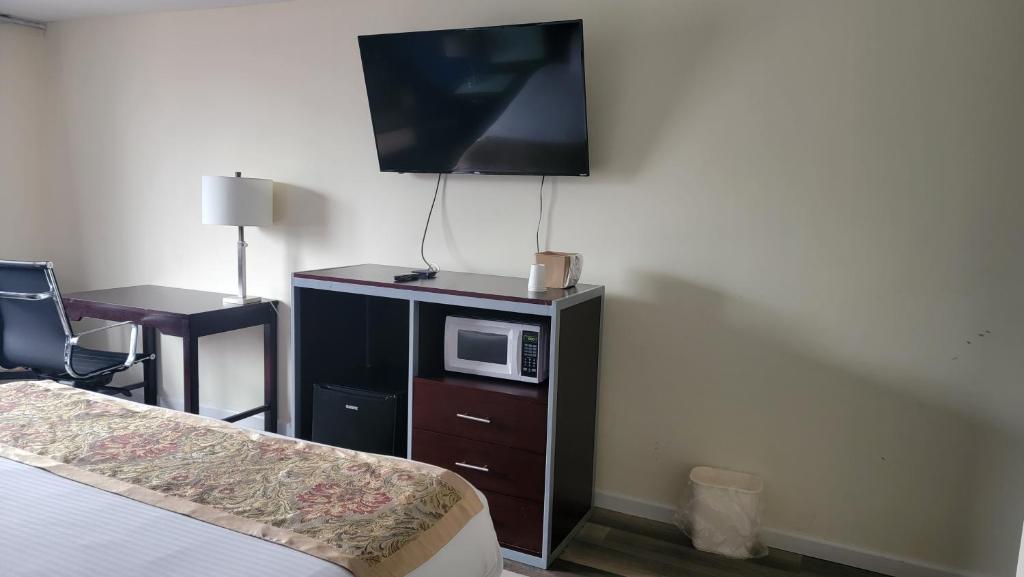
455 283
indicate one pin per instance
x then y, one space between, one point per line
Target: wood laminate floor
617 545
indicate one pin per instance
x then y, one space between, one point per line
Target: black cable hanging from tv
423 241
540 213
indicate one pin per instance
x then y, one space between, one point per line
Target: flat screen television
495 100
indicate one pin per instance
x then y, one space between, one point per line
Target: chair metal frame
71 339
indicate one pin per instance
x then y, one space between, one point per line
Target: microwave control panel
531 343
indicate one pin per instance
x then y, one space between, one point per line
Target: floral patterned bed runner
375 516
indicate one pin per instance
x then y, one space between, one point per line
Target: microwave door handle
515 352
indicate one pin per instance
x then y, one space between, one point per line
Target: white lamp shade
238 201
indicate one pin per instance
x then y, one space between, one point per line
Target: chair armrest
74 339
133 346
131 360
25 296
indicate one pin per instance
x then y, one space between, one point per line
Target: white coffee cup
538 278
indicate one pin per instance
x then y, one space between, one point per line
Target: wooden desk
188 314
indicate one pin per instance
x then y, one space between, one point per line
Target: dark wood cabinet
482 410
528 448
488 467
517 522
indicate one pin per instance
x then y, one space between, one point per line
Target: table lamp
241 202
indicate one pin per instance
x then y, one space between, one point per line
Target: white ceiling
51 10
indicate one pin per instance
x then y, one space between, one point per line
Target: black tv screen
496 100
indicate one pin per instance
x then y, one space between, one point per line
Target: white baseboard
793 542
884 563
634 506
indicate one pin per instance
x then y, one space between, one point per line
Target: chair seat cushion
85 361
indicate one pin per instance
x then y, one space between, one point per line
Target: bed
90 484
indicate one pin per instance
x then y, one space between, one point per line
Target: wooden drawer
518 522
508 471
455 408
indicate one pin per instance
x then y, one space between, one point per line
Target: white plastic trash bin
724 512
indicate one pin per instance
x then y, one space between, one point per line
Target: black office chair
35 333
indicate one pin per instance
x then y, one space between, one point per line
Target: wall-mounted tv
495 100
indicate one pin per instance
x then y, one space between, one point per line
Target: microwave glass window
483 347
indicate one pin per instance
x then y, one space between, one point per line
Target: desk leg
149 368
270 374
190 358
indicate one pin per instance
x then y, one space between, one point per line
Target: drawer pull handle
472 418
483 469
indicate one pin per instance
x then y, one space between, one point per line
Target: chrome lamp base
241 298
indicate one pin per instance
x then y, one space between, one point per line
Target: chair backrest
33 325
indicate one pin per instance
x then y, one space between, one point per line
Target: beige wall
23 130
802 211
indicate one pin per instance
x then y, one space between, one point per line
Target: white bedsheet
54 527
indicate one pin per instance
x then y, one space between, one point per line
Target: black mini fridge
360 419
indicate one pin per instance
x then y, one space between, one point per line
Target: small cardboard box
563 269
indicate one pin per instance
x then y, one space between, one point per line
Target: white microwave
506 350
